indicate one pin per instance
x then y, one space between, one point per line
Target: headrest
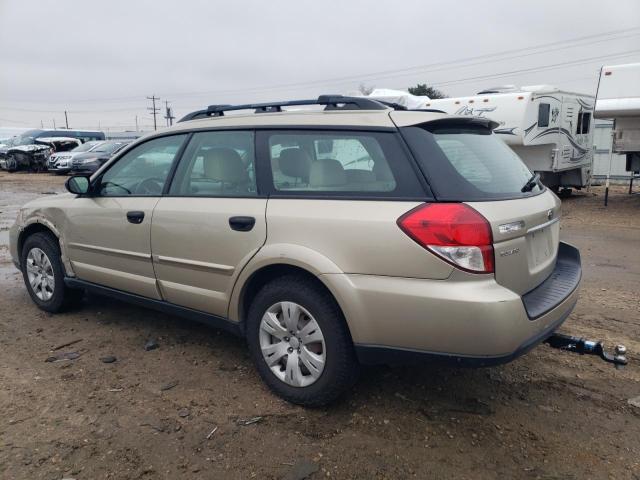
295 162
327 173
224 165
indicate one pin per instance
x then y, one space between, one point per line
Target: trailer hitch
588 347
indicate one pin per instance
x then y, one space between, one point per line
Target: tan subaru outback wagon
329 233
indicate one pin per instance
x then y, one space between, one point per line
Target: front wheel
44 275
300 343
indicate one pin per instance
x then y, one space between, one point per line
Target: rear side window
468 163
217 164
340 163
543 114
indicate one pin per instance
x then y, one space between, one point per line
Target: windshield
27 138
469 163
107 147
86 147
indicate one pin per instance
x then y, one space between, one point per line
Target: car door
108 236
211 222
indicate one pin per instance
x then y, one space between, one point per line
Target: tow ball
588 347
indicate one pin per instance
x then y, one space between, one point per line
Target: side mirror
78 185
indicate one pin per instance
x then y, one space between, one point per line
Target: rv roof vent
501 89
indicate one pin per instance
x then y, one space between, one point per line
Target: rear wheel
300 343
44 275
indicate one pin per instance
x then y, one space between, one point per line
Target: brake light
454 232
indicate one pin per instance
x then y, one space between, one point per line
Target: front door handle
135 216
242 224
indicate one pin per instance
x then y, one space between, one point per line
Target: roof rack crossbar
331 102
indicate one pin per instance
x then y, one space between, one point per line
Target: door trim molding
216 267
112 251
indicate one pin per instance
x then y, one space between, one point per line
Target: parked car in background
60 162
91 161
357 234
5 145
32 149
35 157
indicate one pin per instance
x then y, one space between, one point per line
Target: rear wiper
532 182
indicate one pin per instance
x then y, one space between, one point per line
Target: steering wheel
150 186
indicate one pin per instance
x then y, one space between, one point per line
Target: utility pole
168 113
54 124
154 110
41 124
66 120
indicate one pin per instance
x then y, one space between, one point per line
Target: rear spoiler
458 120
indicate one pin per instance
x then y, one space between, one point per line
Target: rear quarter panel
358 236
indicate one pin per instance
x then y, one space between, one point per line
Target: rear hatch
464 162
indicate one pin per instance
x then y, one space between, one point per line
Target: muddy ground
151 414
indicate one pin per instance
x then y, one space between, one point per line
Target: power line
456 81
437 66
537 69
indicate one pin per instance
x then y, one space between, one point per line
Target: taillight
454 232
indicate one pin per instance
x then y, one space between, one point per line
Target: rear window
468 163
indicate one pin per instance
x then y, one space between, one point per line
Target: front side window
334 162
217 164
143 170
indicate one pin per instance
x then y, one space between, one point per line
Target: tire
56 296
341 367
12 164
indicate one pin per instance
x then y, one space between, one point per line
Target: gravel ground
195 408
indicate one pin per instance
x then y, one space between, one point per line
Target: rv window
543 114
584 121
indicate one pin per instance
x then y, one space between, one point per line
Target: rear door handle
242 224
135 216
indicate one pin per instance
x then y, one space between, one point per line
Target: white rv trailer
550 129
618 99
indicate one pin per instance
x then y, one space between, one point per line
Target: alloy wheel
40 274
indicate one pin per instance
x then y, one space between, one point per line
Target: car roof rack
331 102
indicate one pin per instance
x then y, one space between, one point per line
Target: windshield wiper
532 182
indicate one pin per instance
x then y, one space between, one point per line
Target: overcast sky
100 59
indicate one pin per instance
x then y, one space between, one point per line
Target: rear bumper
462 320
375 354
564 279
